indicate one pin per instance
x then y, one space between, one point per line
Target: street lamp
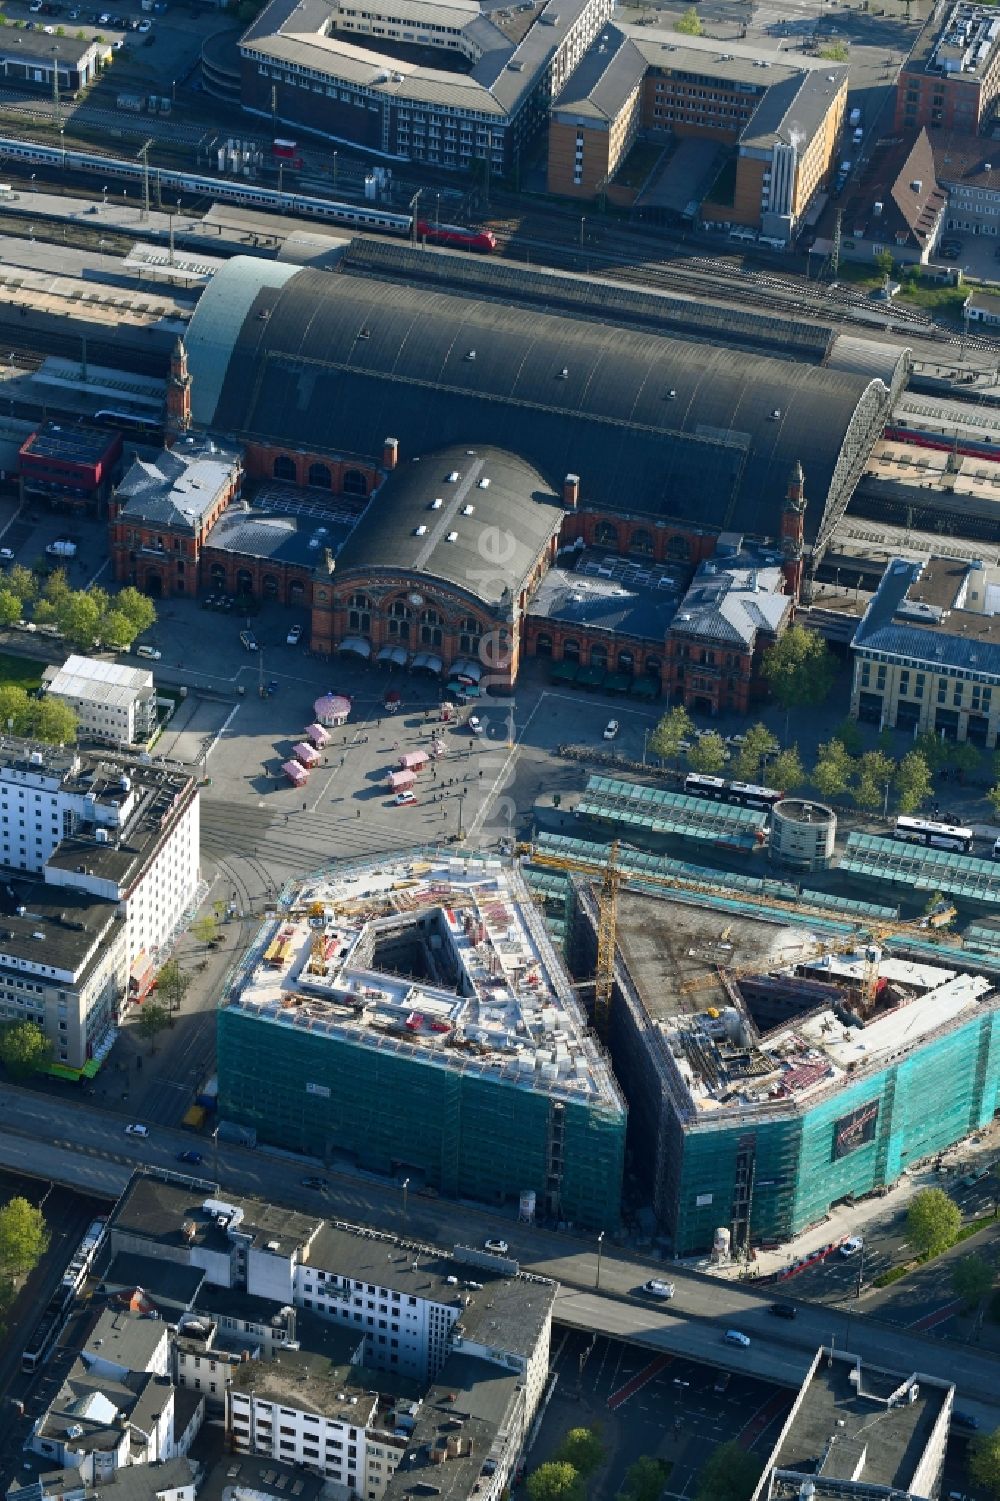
600 1244
583 220
405 1187
335 169
461 811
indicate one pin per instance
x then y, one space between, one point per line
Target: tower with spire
793 531
178 393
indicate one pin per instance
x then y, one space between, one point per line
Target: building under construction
415 1018
771 1069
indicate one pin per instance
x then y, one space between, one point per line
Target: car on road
964 1420
474 725
783 1310
656 1288
6 554
148 653
498 1247
737 1337
317 1183
684 746
136 1130
193 1157
145 26
294 636
402 798
35 7
248 640
852 1246
611 729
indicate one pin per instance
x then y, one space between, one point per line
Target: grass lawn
26 672
936 298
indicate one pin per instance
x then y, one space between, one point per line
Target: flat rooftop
70 445
858 1423
935 470
101 682
443 961
962 47
766 1014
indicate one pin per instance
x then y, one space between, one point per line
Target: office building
452 1004
951 79
927 651
112 703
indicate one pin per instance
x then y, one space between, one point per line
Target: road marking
649 1373
752 1430
939 1316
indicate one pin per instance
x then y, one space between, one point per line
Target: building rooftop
179 486
609 73
70 445
276 539
63 929
135 1482
123 1340
735 594
164 1283
101 682
445 962
942 612
40 44
967 161
861 1426
897 464
459 1420
606 593
763 1015
240 1477
961 46
433 514
898 200
179 1215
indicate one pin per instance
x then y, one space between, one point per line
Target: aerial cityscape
500 750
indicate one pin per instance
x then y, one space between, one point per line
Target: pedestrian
304 807
480 773
342 760
359 813
286 817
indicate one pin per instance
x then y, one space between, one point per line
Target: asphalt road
82 1145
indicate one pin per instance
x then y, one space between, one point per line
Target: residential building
777 123
70 466
304 1062
856 1429
951 79
768 1078
927 651
102 860
896 205
168 1480
968 168
332 1346
363 76
112 703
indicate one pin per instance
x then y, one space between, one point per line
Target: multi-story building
767 1078
897 205
114 852
781 121
70 466
364 1334
458 1010
362 76
968 169
951 79
112 703
927 651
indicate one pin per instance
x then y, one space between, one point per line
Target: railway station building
475 442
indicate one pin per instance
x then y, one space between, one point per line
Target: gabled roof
899 200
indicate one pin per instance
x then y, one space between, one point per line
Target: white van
996 850
743 233
773 243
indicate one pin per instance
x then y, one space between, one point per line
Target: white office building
114 704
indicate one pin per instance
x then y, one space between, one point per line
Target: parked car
136 1130
145 26
403 798
656 1288
611 729
248 640
192 1157
737 1337
35 7
6 554
149 653
475 725
294 636
964 1420
852 1246
783 1310
498 1247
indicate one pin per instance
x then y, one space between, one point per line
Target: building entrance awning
356 645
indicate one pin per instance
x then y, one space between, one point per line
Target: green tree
972 1278
757 743
78 616
138 608
11 607
45 613
799 669
644 1480
933 749
729 1474
153 1017
874 770
56 588
14 703
24 1049
993 798
689 23
172 985
51 720
787 771
117 631
914 784
984 1461
22 582
883 262
556 1481
831 776
205 928
708 754
24 1237
582 1448
836 52
932 1221
675 726
965 758
849 734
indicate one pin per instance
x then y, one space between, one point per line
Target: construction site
415 1019
775 1061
